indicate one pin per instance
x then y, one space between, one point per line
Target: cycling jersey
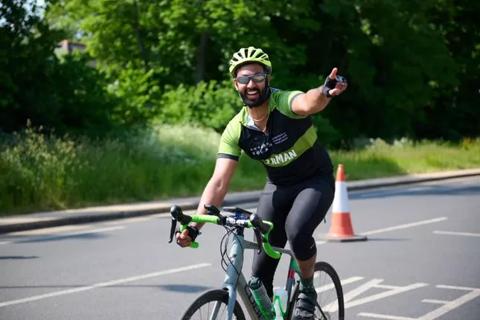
289 149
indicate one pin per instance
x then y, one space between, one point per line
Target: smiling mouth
253 93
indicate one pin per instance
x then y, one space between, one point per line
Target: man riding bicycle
275 127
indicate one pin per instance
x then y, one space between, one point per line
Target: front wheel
329 294
212 305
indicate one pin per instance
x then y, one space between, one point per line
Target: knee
302 244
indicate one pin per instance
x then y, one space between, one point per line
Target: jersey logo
281 159
279 138
263 149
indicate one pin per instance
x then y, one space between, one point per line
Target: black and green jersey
289 149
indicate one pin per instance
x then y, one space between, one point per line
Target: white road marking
103 284
434 301
443 286
446 307
350 280
331 285
333 306
349 297
404 226
383 316
452 233
450 305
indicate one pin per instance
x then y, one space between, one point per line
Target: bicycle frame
235 281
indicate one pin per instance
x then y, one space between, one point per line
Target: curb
105 213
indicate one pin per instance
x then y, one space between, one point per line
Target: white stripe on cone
340 200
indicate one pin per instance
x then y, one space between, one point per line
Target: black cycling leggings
296 211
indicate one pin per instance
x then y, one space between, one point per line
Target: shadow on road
184 288
46 238
17 257
169 287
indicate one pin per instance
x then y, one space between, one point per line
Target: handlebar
241 219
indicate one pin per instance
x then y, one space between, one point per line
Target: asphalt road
421 261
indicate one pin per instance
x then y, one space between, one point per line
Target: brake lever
177 215
172 229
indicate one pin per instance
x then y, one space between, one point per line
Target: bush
39 171
209 104
35 168
62 94
327 134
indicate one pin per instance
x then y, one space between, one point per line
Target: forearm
311 102
315 100
213 194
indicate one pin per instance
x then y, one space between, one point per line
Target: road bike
223 303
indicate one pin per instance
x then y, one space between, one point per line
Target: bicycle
223 303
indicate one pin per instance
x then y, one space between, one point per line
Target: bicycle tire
204 305
329 294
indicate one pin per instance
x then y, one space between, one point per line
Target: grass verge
44 172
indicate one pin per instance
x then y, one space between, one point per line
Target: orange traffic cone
341 228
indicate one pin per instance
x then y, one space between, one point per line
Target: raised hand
334 84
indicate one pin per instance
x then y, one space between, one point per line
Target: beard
264 95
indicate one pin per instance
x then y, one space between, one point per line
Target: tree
455 112
411 66
64 94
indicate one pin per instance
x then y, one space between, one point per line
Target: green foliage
210 104
327 134
137 94
391 52
40 171
455 111
413 68
65 94
378 158
83 103
34 170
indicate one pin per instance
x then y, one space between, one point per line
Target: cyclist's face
252 90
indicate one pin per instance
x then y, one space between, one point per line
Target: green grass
380 159
44 172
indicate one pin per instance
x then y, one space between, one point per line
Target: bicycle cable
226 260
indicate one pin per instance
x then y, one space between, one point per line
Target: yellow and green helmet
250 54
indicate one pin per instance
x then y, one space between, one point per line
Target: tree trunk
140 40
201 58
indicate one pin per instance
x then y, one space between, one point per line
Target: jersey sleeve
229 147
282 100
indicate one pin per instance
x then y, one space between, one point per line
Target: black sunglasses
257 78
